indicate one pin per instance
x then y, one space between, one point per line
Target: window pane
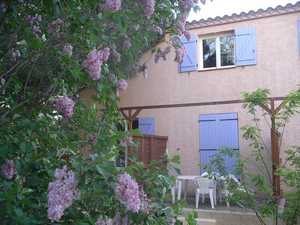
209 53
227 50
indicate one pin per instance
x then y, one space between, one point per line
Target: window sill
217 68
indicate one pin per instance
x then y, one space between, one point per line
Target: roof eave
243 16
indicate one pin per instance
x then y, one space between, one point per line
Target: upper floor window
217 51
233 48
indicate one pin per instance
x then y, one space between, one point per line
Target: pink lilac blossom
92 65
115 55
104 221
179 54
8 169
180 26
118 220
127 191
34 19
145 201
122 85
149 7
93 62
34 22
104 54
65 106
61 193
187 35
55 26
68 49
112 5
186 5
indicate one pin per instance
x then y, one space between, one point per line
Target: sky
222 7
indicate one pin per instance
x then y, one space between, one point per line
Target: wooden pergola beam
136 113
130 116
192 104
124 114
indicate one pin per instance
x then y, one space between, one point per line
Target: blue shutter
298 26
218 131
208 132
208 142
228 131
147 125
245 46
228 137
189 62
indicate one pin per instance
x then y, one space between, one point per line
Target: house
226 56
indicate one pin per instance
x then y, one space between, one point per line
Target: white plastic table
185 179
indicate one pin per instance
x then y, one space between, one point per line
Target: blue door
218 131
146 125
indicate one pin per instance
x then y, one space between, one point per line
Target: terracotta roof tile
260 13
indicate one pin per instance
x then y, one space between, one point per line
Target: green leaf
36 43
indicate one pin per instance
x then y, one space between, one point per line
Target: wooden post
130 120
275 153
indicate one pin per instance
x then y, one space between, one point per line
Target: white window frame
218 51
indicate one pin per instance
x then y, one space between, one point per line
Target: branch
281 105
13 68
266 108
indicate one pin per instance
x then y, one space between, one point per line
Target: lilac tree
49 52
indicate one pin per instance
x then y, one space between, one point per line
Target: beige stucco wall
278 69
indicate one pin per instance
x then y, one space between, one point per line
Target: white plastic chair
206 186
